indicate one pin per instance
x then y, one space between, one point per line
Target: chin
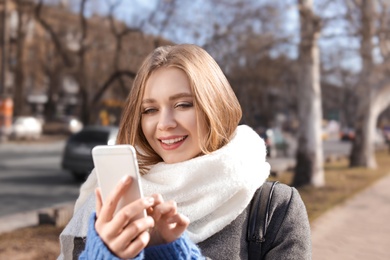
177 159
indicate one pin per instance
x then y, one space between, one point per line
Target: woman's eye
184 105
149 111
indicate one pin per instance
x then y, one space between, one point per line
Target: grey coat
288 234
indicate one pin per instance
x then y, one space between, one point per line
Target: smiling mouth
173 141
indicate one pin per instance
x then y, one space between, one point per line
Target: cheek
146 127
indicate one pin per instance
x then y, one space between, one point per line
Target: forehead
167 81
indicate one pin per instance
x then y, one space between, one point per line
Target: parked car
280 141
266 134
274 140
26 127
62 125
386 133
77 154
347 134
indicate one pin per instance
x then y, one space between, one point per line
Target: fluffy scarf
213 189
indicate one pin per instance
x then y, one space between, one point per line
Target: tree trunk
309 157
362 153
19 93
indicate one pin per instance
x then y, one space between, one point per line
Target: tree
309 157
373 89
96 52
23 18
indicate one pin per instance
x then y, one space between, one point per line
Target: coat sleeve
288 235
181 248
95 247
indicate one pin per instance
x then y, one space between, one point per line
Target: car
77 154
266 134
275 141
280 142
347 134
62 125
386 133
26 127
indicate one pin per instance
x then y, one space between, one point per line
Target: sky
194 12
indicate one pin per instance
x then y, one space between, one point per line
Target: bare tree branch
57 43
109 81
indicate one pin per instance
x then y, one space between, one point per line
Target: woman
182 116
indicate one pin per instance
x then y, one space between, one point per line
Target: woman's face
169 120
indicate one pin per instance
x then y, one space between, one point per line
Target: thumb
99 201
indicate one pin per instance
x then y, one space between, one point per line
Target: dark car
77 155
347 134
386 134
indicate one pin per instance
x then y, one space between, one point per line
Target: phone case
112 162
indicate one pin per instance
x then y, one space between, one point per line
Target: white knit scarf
211 190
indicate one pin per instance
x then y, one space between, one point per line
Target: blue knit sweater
182 248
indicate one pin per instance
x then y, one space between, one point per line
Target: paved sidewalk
359 229
58 214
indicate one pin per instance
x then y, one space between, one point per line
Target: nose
166 120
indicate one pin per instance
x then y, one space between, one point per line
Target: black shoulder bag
259 219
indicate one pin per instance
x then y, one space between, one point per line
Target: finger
179 219
149 211
137 245
158 198
129 212
99 201
177 225
167 209
110 204
132 231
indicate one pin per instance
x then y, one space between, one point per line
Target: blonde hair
214 99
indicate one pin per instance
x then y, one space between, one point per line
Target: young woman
199 170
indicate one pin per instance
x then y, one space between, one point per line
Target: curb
58 215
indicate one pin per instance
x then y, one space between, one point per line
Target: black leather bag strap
259 219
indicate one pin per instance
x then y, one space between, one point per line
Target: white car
26 127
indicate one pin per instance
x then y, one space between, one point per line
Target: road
31 177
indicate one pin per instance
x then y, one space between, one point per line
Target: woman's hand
169 224
125 236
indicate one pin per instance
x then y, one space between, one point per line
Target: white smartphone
112 162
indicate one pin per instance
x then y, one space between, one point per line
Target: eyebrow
174 97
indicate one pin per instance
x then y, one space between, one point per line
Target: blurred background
312 78
77 59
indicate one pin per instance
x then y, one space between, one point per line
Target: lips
172 142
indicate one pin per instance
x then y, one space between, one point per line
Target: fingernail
150 200
125 179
